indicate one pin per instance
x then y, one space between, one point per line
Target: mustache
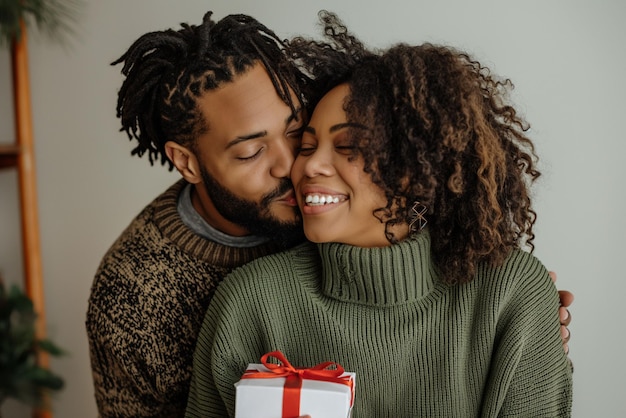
284 186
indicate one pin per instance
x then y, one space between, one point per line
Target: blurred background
566 58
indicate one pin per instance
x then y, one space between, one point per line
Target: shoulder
519 268
521 285
525 271
142 232
275 267
144 271
139 249
265 282
251 297
142 246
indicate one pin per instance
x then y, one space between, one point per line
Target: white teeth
314 199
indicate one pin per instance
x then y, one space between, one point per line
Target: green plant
21 377
54 17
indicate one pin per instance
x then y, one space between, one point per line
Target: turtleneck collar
397 274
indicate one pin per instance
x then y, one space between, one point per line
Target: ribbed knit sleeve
529 372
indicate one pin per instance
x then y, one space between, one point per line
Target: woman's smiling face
336 197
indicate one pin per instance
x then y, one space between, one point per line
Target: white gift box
263 397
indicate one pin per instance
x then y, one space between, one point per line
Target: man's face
246 156
255 217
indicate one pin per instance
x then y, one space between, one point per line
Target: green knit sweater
146 306
420 348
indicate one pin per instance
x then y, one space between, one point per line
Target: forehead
248 104
330 109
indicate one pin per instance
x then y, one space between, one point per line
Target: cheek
297 170
246 184
378 196
375 195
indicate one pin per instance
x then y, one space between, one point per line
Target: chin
317 238
287 215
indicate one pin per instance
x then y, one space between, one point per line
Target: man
222 104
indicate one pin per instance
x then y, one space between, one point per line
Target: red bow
294 376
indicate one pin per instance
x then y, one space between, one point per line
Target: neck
383 276
203 204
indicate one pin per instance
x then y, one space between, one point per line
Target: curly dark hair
440 131
168 71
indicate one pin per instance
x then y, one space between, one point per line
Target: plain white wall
566 58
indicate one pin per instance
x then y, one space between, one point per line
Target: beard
255 217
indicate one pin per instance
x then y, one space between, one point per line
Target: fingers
552 276
566 297
565 336
565 316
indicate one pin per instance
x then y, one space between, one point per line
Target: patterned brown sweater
146 307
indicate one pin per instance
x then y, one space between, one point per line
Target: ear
185 161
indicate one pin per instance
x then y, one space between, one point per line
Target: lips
289 198
318 197
315 199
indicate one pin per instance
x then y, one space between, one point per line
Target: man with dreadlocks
222 104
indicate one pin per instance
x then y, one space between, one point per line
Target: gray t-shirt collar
198 225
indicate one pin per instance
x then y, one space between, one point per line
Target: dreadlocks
167 72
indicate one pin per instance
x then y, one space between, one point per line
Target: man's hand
566 300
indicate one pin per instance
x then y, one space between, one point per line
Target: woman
412 179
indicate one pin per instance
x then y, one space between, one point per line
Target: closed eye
251 157
346 149
306 150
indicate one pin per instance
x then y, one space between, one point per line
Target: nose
319 163
284 155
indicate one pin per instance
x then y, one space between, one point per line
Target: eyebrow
261 134
337 127
294 115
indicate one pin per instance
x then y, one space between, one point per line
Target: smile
321 199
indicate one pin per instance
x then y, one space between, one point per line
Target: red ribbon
294 377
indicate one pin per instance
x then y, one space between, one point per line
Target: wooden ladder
21 156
